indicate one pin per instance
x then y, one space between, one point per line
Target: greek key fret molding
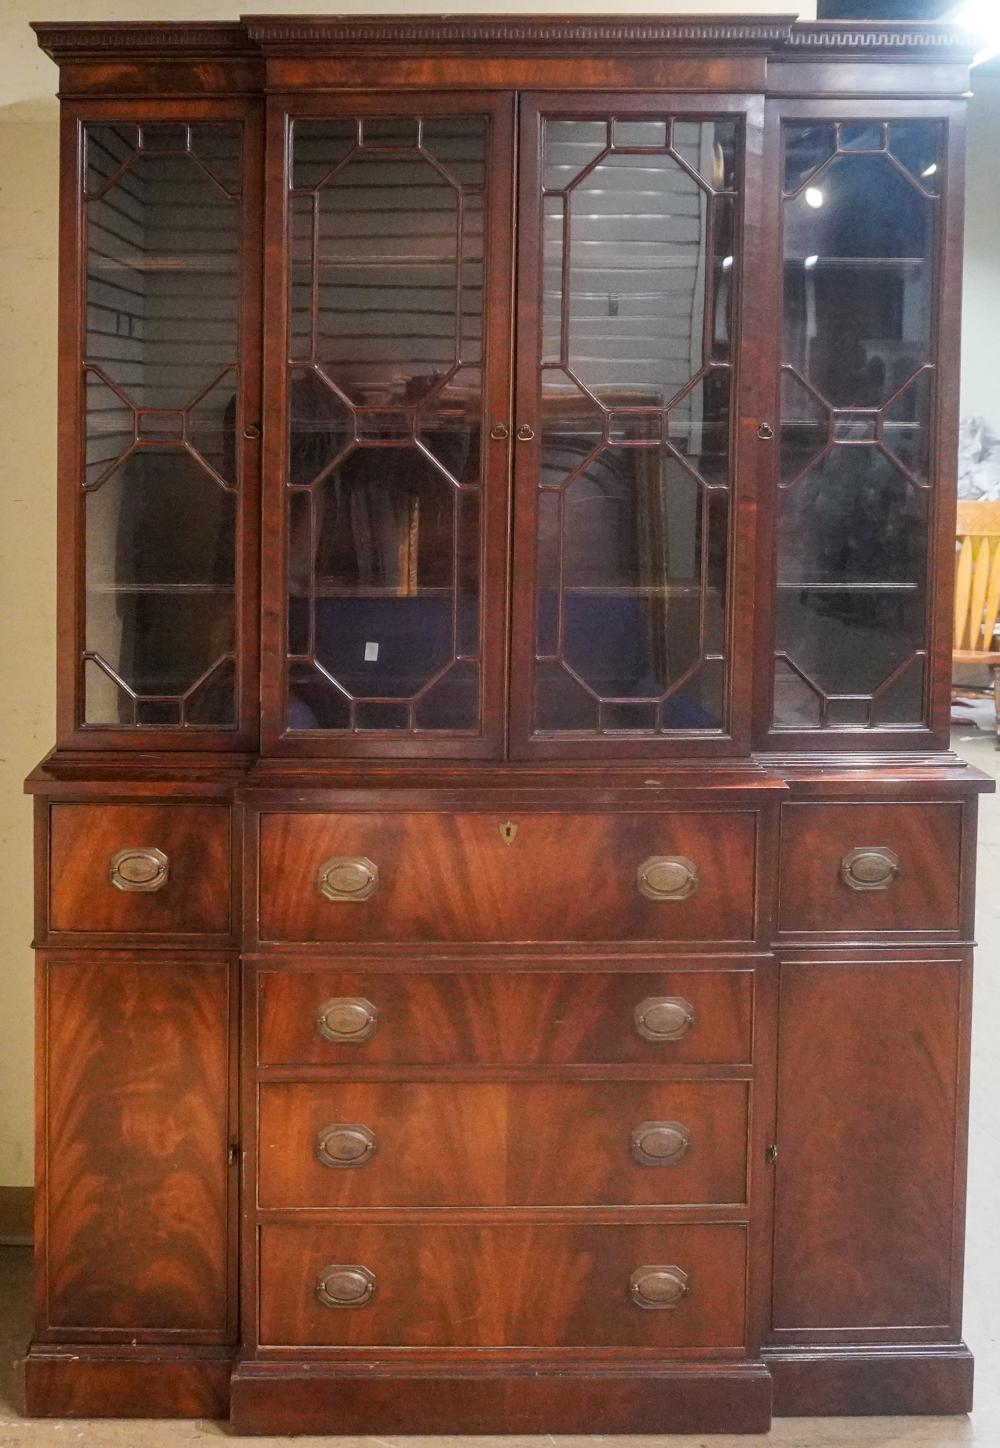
913 38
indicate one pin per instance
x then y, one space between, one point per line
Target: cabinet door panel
631 229
865 407
167 372
135 1142
397 316
870 1057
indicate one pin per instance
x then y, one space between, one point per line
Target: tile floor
982 1315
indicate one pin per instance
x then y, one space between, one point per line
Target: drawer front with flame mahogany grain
361 1017
854 868
140 869
478 876
671 1287
496 1144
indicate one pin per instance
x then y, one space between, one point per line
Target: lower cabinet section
137 1233
671 1288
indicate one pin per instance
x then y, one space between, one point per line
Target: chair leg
995 676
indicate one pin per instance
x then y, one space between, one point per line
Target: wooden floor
982 1313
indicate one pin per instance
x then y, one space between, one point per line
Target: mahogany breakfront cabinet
504 901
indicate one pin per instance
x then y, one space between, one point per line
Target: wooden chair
977 590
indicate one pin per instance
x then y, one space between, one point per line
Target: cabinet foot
67 1381
313 1397
871 1381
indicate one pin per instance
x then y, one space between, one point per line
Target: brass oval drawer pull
347 1018
343 877
664 1018
660 1143
869 867
655 1287
135 868
345 1284
345 1144
667 877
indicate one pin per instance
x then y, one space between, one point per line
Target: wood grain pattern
925 894
514 1286
196 897
505 1017
135 1141
452 877
868 1095
502 1144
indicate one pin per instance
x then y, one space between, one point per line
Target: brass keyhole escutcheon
508 832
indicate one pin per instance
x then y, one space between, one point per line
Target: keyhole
508 832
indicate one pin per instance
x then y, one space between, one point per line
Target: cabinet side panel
870 1060
136 1129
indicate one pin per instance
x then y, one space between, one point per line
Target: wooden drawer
182 851
475 1017
918 845
406 1144
456 877
502 1286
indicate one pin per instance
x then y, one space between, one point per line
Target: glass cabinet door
626 379
398 314
858 385
165 342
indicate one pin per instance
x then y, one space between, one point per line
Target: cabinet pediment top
259 35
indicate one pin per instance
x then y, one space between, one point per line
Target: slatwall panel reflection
384 464
161 361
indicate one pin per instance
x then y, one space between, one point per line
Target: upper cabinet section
535 388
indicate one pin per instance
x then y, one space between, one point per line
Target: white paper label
371 653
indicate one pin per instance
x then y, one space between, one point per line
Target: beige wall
28 163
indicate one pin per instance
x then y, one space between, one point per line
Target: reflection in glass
384 460
857 396
160 382
638 270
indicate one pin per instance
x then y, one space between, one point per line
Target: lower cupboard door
649 1286
135 1136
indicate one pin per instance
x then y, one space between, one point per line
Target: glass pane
857 388
385 457
638 276
161 358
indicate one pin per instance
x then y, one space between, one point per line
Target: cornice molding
907 38
778 37
281 32
66 41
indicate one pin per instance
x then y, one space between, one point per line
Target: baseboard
16 1211
293 1397
86 1382
893 1381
